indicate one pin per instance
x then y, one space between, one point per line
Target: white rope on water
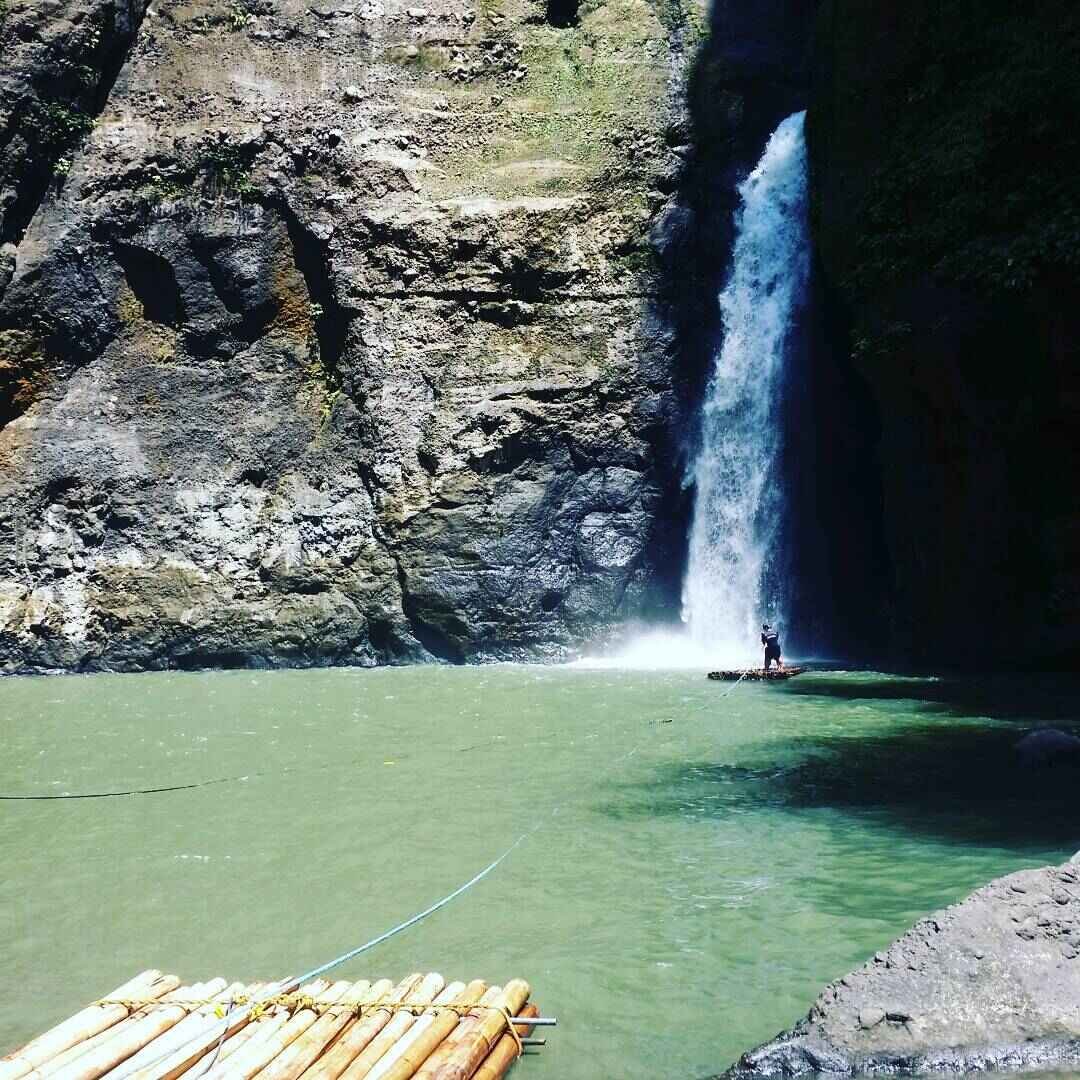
350 954
731 689
219 1033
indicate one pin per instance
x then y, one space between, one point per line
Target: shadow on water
947 770
1039 699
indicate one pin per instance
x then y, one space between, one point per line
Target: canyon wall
947 218
358 332
333 332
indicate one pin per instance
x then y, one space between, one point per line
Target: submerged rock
1048 746
990 983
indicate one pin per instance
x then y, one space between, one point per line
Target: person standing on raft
770 638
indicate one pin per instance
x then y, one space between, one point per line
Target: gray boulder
991 983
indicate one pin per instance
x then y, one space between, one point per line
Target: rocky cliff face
948 225
335 335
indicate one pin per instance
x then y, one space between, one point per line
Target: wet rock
988 984
1046 747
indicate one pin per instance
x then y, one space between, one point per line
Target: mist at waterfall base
736 567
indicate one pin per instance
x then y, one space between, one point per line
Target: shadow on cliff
952 775
751 71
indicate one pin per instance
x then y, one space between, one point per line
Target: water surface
707 859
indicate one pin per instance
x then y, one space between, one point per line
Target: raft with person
756 674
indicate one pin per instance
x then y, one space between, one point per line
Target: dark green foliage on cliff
946 209
948 144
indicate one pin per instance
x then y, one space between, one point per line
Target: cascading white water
739 505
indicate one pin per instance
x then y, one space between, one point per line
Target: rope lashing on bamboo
293 1003
511 1028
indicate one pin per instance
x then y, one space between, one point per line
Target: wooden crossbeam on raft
422 1028
756 674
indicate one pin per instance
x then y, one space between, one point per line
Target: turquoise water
705 860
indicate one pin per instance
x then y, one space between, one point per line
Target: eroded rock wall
338 340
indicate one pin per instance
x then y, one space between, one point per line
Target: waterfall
732 582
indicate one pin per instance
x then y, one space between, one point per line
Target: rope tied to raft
298 1003
518 1044
737 681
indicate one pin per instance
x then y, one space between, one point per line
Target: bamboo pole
433 986
496 1065
475 1045
259 1031
355 1038
146 1025
61 1061
306 1050
84 1025
257 1055
220 1049
245 1033
194 1050
468 1022
111 1036
424 1037
378 992
176 1036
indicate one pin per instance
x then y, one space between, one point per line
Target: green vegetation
228 169
217 169
239 15
587 94
948 146
60 127
322 389
684 15
166 189
232 16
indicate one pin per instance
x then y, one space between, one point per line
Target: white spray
730 585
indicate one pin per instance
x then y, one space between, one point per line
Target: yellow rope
513 1031
298 1002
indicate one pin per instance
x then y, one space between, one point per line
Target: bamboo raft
756 674
154 1028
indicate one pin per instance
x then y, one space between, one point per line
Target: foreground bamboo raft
154 1028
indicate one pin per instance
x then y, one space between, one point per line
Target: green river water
706 861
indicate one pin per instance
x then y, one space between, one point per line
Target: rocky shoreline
991 983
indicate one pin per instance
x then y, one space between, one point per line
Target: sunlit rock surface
991 983
336 339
